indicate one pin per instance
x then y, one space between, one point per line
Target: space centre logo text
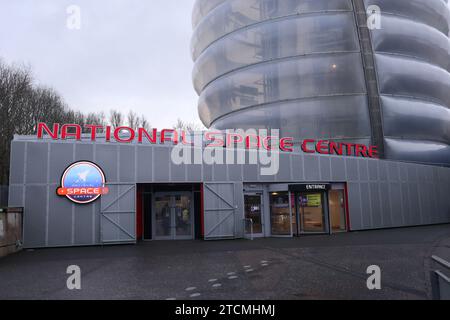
82 182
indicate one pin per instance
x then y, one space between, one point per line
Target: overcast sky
129 54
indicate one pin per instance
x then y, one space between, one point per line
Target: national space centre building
358 89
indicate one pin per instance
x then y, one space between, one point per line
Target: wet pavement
311 267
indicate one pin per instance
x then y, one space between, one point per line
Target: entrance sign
309 187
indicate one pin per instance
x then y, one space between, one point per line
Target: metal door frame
173 235
263 225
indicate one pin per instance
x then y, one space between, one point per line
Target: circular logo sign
83 182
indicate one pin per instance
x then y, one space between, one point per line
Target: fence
10 230
440 281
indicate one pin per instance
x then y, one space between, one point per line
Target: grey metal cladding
366 205
82 227
35 226
162 164
355 207
60 220
396 204
106 156
352 169
36 162
381 193
127 163
325 169
16 195
377 214
373 170
194 173
383 170
297 167
61 156
286 65
385 200
207 172
285 170
363 170
17 162
85 151
235 172
144 164
414 212
220 172
311 164
338 169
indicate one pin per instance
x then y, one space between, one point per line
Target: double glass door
173 216
311 213
320 212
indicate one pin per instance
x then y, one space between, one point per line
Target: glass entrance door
173 216
280 214
162 217
253 214
338 217
183 217
310 213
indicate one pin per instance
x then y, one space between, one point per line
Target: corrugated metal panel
118 214
220 207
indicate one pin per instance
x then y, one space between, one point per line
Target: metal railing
440 282
248 232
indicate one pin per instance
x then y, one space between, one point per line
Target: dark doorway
169 211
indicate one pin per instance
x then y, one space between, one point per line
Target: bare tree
133 120
187 126
143 123
96 118
116 118
22 107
